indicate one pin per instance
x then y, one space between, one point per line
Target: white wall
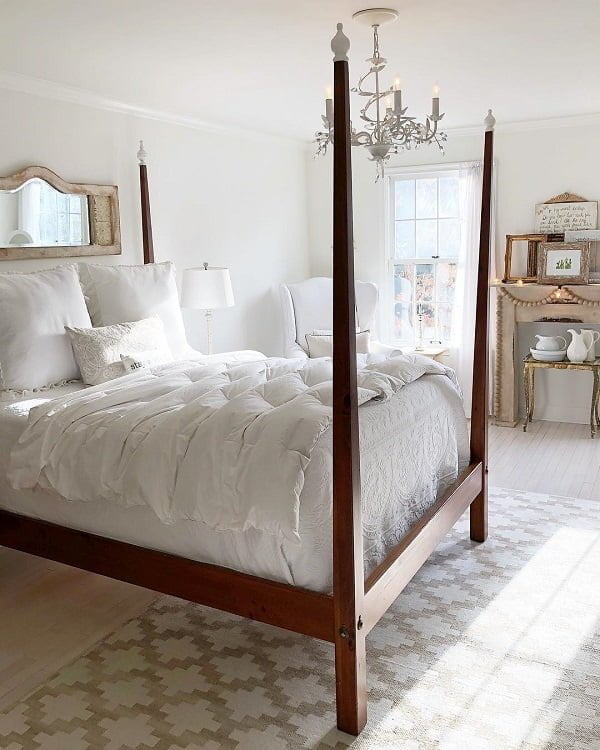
215 197
532 166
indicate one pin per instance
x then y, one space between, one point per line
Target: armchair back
308 306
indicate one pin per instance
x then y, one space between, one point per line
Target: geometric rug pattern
490 647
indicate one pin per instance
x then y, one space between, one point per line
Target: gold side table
530 365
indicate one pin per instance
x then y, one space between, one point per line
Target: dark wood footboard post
479 408
348 574
147 241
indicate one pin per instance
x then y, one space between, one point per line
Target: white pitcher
550 343
577 350
590 338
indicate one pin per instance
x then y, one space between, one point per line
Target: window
51 217
60 217
425 243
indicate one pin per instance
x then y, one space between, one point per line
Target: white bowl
545 356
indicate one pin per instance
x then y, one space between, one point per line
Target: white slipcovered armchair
308 306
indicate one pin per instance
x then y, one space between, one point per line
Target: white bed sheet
411 448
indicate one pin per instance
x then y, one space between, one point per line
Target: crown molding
83 97
522 126
42 87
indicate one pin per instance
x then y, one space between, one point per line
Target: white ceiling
264 65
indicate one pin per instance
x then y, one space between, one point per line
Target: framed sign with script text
566 213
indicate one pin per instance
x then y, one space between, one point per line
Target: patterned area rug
492 646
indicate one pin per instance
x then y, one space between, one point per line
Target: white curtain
463 313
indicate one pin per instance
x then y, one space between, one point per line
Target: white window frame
388 297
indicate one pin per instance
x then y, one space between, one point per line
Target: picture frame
566 212
563 263
533 241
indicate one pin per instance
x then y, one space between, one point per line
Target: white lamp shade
206 288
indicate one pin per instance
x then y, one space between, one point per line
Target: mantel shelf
534 285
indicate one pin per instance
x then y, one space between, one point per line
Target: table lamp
207 289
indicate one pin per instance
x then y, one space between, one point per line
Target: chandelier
387 129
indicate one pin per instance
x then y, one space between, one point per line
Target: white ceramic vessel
545 356
590 338
577 350
550 343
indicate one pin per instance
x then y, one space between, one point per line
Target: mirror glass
38 215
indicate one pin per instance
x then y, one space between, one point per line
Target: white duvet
226 445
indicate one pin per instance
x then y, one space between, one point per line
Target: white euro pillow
120 294
35 350
99 351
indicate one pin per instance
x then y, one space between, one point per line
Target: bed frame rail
289 607
388 580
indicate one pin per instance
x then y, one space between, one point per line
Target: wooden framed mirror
43 216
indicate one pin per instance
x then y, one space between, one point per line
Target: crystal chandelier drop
388 128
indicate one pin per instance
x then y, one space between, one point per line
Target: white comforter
225 445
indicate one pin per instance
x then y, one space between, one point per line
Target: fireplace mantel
528 303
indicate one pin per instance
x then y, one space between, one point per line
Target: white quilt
225 445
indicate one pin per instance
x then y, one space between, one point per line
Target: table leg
594 410
532 393
526 387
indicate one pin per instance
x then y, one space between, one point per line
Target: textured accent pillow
118 294
321 344
98 350
35 307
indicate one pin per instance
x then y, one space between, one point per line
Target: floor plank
551 457
51 614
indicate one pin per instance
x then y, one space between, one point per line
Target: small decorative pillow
98 350
321 344
143 361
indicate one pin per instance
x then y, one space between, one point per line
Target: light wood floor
51 613
551 457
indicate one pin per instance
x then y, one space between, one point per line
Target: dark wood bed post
480 393
145 201
348 575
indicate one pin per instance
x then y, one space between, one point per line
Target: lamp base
209 336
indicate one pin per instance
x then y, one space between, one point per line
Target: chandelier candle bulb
435 106
397 97
329 104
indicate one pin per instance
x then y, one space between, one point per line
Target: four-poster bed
345 616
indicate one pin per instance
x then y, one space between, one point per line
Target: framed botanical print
563 263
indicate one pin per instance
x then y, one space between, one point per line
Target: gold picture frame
563 263
533 241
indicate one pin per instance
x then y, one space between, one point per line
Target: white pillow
98 350
321 344
35 307
118 294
